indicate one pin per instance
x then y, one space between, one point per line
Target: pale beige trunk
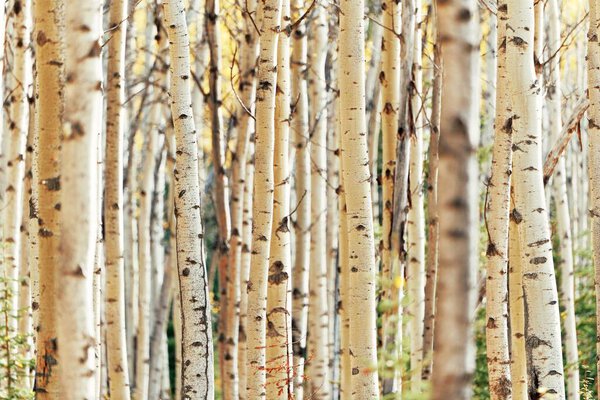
389 104
416 220
245 270
49 116
302 168
458 199
542 323
246 90
361 293
432 209
593 63
197 372
78 195
518 358
318 356
563 218
18 121
114 306
262 207
497 220
279 360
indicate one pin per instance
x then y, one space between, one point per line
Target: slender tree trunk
228 329
497 224
18 120
518 365
116 345
593 61
245 270
262 207
416 219
247 88
196 342
279 362
458 32
78 194
432 208
49 26
361 304
389 80
562 204
318 356
302 168
542 323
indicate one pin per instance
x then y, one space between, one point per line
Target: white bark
458 199
356 175
542 318
78 181
196 342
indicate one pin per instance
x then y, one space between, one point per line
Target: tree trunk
116 345
245 270
593 61
302 167
196 342
497 225
389 80
262 208
542 323
247 88
355 169
318 355
78 194
563 219
518 365
432 208
18 120
49 116
458 199
415 274
279 362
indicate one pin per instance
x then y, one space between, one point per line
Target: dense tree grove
300 199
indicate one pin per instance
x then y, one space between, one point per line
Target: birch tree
49 59
457 29
196 342
116 346
593 66
262 206
78 181
355 170
497 215
318 366
542 324
279 360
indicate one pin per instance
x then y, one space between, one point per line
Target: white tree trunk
497 220
361 293
116 345
197 371
78 197
458 199
542 323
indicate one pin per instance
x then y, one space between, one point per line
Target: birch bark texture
542 318
279 360
49 59
459 121
361 302
498 209
593 77
116 345
79 194
196 343
262 207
